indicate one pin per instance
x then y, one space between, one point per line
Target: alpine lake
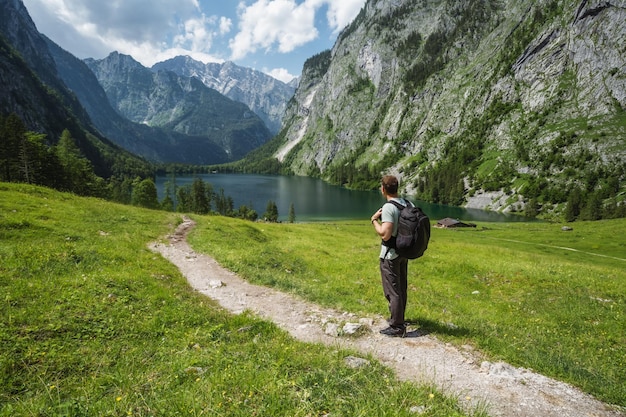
314 200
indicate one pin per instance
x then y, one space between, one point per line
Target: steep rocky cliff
521 102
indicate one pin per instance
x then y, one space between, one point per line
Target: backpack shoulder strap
398 205
408 203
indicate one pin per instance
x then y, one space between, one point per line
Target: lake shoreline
317 201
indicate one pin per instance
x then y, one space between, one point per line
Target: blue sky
273 36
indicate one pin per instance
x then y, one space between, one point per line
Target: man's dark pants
394 277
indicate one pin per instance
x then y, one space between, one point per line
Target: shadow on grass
426 326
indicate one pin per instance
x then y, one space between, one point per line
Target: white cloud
147 30
140 20
342 12
193 34
225 25
284 25
280 74
268 23
151 31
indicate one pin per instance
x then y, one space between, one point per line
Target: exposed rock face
266 96
178 103
21 34
486 91
152 143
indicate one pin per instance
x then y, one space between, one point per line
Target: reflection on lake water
315 200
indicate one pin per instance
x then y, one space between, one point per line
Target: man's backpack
413 231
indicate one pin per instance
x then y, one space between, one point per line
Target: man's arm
384 228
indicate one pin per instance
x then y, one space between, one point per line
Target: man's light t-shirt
390 214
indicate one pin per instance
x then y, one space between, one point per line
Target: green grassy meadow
530 294
93 323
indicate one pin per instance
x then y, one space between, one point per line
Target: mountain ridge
177 103
83 97
519 106
152 143
265 95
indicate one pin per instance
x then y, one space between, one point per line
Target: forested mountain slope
38 101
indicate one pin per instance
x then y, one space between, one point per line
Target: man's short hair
390 184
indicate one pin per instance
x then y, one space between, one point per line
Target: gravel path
421 358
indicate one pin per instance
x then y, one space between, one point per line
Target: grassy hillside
93 323
530 294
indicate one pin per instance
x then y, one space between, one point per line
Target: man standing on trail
393 268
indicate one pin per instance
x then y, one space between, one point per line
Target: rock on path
420 358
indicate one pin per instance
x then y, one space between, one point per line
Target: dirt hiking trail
421 358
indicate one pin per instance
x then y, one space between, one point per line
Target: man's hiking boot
394 331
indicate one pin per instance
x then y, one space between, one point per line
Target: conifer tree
32 157
271 212
79 176
292 213
167 204
532 208
169 189
246 213
223 204
200 196
183 199
12 131
593 207
120 190
573 206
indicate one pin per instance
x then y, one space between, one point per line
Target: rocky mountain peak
265 95
115 62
